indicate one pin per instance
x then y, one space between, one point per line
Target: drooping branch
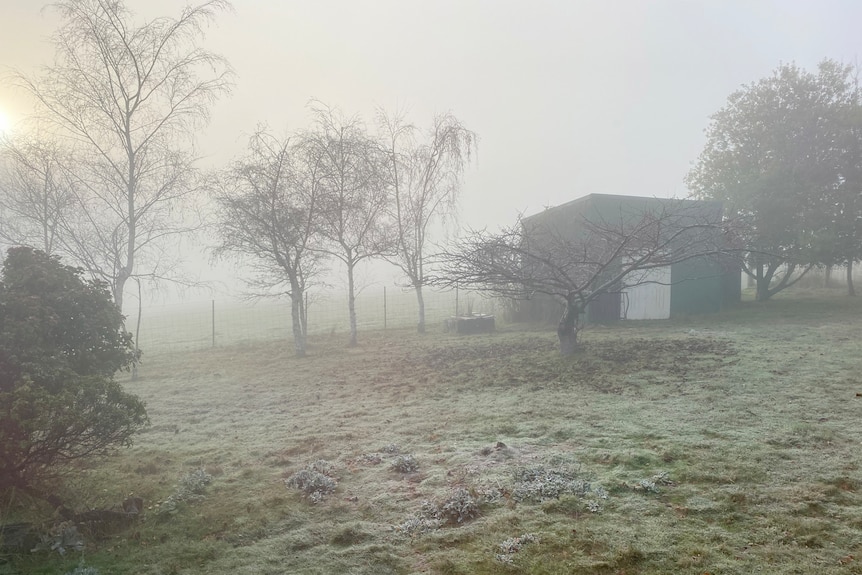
425 178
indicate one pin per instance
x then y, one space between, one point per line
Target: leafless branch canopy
269 205
36 195
577 260
354 194
128 101
425 175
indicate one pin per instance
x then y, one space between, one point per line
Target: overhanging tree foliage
840 241
783 153
575 260
61 342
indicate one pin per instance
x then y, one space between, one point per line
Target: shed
693 286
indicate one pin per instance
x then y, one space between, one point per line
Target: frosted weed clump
314 481
510 546
418 525
405 464
80 570
190 490
456 509
61 537
537 484
651 485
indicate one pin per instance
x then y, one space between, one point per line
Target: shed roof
604 206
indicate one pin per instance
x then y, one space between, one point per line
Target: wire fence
200 324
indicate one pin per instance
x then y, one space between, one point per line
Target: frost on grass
417 525
490 494
456 509
61 538
510 546
315 481
405 464
538 483
81 570
190 489
651 485
369 459
459 507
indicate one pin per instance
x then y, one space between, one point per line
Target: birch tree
354 195
35 193
129 99
425 174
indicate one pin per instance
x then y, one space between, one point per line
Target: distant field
710 444
208 323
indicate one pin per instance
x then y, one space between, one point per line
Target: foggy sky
567 97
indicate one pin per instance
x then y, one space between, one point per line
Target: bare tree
354 195
425 179
35 194
129 99
577 260
269 210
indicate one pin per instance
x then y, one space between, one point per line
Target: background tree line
336 191
785 156
111 181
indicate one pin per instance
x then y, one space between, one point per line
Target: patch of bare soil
596 363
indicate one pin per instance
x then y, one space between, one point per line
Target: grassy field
713 444
182 327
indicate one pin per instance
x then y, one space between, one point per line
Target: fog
567 97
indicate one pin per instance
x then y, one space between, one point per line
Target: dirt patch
596 364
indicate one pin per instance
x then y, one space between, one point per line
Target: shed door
647 300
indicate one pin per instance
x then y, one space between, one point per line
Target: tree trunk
762 293
567 330
421 300
303 314
137 331
119 289
851 291
827 277
763 279
351 305
296 294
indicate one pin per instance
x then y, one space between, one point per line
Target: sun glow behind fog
5 123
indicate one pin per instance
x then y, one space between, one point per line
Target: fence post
213 322
384 307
